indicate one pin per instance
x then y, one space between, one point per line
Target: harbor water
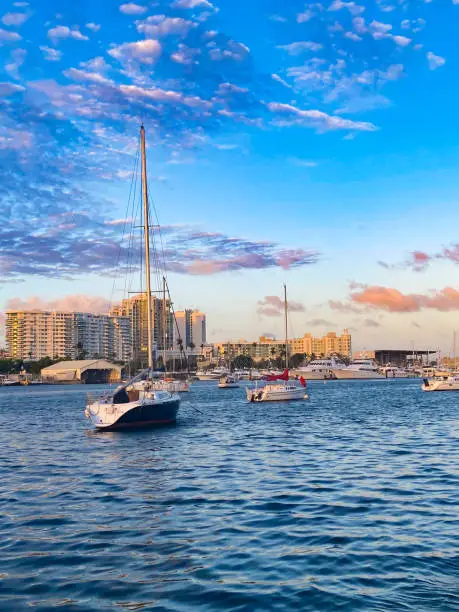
349 501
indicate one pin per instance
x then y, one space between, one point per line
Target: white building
191 328
37 334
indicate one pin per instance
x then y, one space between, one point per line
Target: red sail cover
302 381
272 377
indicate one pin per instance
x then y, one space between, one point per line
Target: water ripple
347 502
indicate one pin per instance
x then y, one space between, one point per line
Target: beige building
37 334
267 348
135 309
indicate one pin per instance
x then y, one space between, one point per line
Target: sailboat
278 388
137 403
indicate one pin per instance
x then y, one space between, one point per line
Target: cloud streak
273 306
388 299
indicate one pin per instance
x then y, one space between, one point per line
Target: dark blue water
347 502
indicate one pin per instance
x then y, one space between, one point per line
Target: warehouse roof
82 365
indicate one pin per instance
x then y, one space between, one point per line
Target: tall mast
146 227
164 323
454 349
286 325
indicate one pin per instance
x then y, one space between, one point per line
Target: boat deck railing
94 398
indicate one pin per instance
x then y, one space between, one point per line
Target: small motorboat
277 392
445 383
228 382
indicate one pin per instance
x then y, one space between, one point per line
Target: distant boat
228 382
137 403
9 382
444 383
321 369
360 369
214 374
278 388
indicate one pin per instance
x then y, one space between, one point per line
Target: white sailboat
444 383
137 403
279 388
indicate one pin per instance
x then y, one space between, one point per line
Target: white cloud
160 95
16 60
6 36
6 89
316 118
144 51
14 19
435 61
353 36
303 163
91 77
95 27
96 64
63 32
402 41
190 4
352 7
51 55
133 9
298 47
276 77
158 26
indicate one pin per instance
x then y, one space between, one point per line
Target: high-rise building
191 328
37 334
135 309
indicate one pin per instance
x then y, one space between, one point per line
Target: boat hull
439 385
228 386
273 395
315 374
139 414
357 375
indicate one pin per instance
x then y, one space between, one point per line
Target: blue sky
309 143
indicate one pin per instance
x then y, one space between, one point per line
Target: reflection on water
349 501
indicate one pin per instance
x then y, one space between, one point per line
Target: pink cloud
273 306
392 300
69 303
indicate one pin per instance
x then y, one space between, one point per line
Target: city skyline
317 148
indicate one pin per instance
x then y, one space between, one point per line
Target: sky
313 144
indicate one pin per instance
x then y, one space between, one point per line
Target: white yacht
321 369
441 383
214 374
361 369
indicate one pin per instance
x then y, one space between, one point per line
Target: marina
346 501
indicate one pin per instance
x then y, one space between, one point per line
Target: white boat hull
357 375
315 374
233 385
276 393
141 413
440 385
